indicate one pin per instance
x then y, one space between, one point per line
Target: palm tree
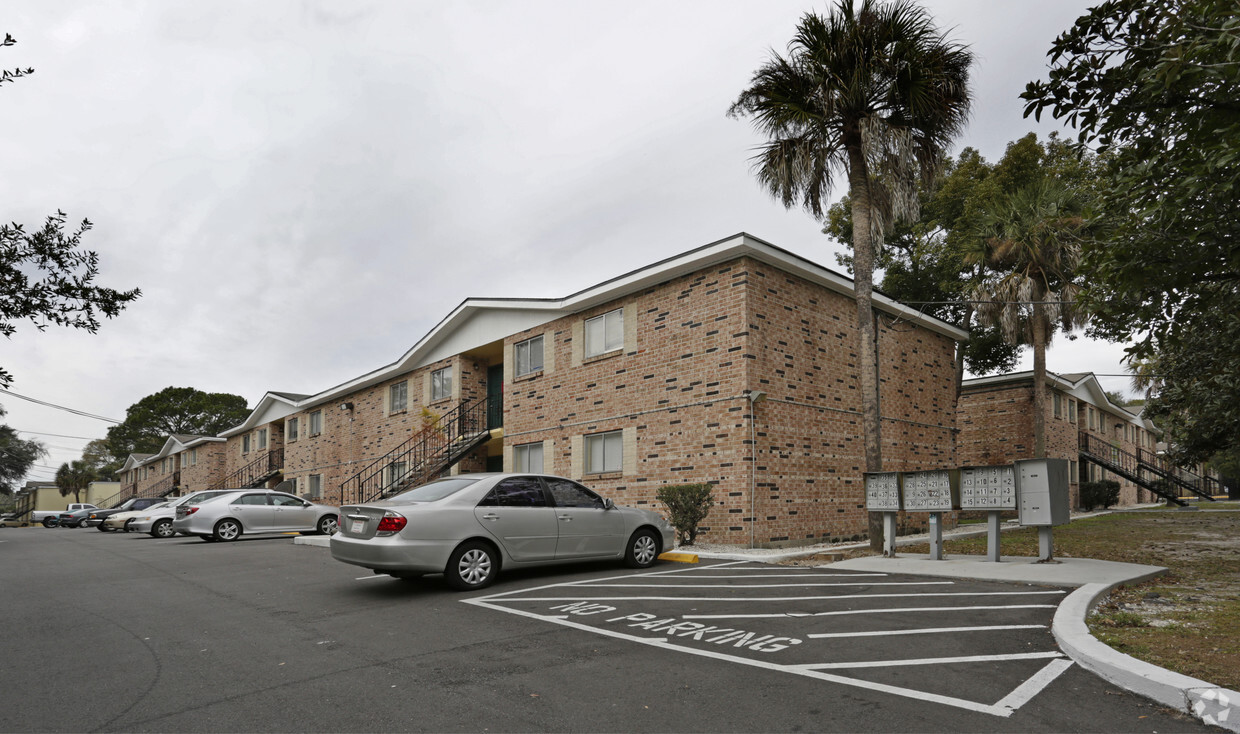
874 93
73 477
1030 244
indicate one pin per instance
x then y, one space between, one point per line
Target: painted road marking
933 661
927 631
575 607
863 611
771 586
785 575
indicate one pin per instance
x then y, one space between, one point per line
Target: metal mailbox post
882 494
991 488
1042 485
933 491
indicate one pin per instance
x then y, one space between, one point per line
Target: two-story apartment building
996 427
734 364
184 464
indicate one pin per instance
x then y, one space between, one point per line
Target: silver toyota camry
470 526
253 511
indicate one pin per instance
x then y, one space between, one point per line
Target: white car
254 511
157 522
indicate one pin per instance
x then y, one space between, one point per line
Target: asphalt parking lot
109 632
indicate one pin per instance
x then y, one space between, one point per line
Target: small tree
73 477
688 505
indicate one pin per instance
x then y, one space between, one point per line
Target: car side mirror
305 503
608 504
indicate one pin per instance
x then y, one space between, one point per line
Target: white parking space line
376 576
1034 685
927 631
931 661
771 586
788 575
854 611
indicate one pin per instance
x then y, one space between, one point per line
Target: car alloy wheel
328 525
163 529
643 549
227 530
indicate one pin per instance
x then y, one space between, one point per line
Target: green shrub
687 506
1103 493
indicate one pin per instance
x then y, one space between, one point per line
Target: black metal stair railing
423 455
255 473
1202 486
1102 453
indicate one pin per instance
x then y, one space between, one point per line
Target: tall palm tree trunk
867 349
1040 332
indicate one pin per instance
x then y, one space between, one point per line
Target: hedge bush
1101 493
687 506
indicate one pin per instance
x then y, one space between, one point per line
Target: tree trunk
1039 329
967 326
864 249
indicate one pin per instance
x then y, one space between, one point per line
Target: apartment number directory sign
988 488
882 491
928 491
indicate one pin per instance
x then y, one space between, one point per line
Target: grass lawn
1187 620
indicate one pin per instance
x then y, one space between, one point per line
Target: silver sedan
253 511
470 526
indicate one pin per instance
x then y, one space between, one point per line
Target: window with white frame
262 439
605 333
193 457
441 383
184 459
1057 401
290 428
316 423
245 444
1074 471
528 458
398 397
1072 407
528 356
315 486
604 452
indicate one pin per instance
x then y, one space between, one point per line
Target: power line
57 435
61 407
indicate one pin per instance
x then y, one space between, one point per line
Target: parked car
71 518
9 520
254 511
51 518
96 517
470 526
157 521
117 520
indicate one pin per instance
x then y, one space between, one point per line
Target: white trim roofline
1087 381
274 406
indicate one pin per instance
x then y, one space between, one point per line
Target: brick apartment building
996 427
734 364
185 463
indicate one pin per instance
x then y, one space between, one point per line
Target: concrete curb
1207 702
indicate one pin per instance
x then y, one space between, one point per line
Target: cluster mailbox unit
1037 488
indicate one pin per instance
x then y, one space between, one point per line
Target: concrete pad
322 541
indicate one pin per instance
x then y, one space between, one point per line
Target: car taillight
391 524
191 509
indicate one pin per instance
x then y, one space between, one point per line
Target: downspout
755 397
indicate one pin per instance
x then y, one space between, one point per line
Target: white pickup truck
49 517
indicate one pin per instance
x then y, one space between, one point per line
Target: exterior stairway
1159 478
422 457
254 474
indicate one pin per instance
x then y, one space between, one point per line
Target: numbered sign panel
988 488
929 491
882 491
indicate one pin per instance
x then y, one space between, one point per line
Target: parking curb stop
679 557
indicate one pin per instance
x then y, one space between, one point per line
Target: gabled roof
1080 384
134 460
479 321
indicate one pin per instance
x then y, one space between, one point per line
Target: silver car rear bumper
393 553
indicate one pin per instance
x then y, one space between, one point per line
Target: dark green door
495 396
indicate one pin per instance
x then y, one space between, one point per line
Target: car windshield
158 506
436 490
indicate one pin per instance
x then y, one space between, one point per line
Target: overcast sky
303 189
